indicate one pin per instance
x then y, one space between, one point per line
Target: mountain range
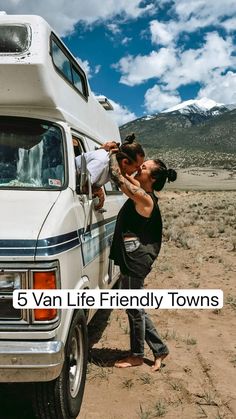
194 133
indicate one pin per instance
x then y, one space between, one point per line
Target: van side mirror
84 183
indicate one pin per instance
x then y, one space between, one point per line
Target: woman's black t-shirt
149 233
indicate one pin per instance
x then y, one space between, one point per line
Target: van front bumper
30 361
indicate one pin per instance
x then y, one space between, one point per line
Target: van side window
78 150
68 67
61 62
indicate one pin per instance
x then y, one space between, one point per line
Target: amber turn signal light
44 280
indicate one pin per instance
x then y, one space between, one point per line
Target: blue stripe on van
54 241
48 251
20 251
51 245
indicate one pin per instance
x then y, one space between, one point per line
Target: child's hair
161 174
130 149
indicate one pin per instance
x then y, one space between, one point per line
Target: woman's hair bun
171 175
129 139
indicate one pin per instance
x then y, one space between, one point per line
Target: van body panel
22 216
46 223
29 80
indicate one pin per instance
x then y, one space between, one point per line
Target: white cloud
157 99
192 15
210 9
97 69
175 68
121 114
114 28
169 32
136 70
161 33
85 66
229 24
195 65
221 88
64 14
126 40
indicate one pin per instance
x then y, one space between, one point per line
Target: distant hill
189 136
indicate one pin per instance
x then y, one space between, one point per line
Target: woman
136 244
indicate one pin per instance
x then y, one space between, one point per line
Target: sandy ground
198 378
196 178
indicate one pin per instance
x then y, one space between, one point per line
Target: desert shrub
231 210
231 301
160 409
174 234
221 229
187 242
211 232
233 241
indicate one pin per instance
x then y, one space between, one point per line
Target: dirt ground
196 178
198 378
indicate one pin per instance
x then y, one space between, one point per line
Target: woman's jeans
141 327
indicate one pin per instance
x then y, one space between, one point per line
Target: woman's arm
132 180
132 188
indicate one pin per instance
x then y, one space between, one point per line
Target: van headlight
45 275
10 281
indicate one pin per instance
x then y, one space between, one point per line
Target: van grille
7 311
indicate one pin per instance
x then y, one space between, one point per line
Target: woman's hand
132 180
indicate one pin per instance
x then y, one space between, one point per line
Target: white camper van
50 235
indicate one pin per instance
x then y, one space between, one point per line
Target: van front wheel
62 398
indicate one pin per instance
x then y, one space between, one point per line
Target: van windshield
31 154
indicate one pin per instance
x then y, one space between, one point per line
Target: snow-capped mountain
199 106
195 110
193 133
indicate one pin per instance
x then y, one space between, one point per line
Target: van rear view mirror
84 178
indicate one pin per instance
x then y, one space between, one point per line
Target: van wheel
62 398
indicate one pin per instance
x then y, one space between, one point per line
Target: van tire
62 397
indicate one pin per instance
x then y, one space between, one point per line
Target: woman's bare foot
157 362
130 361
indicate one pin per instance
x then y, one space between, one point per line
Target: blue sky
147 56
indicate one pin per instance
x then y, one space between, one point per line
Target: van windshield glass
31 154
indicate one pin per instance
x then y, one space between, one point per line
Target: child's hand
111 145
99 193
